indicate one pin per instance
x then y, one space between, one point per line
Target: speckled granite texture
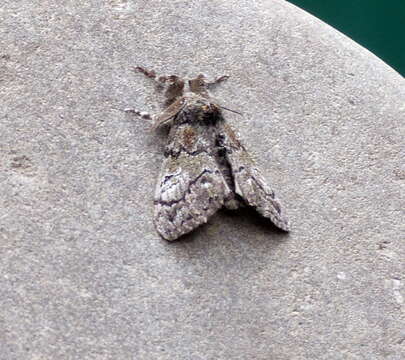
83 274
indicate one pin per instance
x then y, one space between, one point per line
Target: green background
377 25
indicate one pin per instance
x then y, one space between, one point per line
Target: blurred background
377 25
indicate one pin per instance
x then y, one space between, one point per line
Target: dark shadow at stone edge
250 215
247 214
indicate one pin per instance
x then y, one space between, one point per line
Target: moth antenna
234 111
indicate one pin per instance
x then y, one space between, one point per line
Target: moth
205 165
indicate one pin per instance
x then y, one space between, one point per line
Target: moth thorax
208 113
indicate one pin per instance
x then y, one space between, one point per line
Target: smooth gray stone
83 273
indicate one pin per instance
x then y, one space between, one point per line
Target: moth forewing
250 183
191 187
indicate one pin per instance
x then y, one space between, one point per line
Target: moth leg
142 114
164 117
217 81
151 74
172 85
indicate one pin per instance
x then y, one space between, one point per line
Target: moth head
209 108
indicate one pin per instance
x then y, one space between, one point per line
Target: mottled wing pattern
190 188
249 182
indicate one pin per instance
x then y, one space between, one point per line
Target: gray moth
205 166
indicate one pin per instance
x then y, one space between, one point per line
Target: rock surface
83 274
